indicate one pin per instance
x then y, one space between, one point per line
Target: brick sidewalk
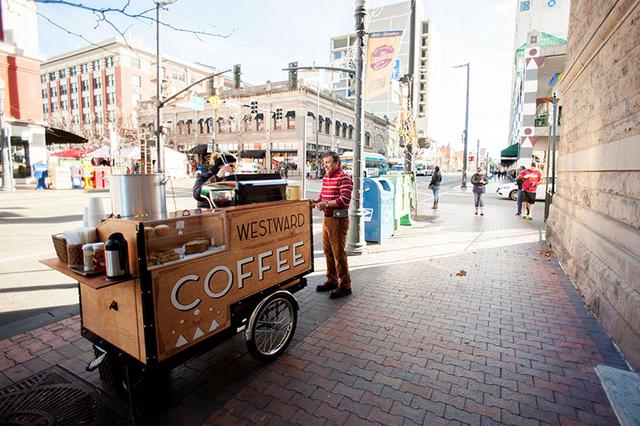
510 342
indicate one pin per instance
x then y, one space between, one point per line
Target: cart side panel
140 322
111 313
267 245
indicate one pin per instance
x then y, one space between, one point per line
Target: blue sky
271 33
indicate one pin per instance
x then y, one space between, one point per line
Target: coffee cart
196 279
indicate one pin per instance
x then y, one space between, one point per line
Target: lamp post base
356 245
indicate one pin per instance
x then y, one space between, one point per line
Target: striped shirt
338 187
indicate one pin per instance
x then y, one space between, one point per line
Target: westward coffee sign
266 246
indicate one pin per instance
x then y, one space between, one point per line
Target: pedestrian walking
479 181
435 186
531 178
520 194
334 200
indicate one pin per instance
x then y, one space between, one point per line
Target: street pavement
457 319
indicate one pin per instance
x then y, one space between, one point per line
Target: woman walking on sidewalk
435 186
479 181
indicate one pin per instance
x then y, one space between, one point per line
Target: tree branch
103 13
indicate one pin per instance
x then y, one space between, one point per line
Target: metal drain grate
55 397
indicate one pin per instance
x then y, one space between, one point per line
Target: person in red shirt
334 200
531 178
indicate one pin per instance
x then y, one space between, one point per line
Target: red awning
71 153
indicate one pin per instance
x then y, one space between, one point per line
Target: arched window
201 126
189 124
209 124
180 127
338 125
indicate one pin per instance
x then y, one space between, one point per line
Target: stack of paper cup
85 217
95 212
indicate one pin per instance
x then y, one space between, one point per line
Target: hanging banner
382 49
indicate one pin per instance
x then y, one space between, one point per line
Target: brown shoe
338 293
326 287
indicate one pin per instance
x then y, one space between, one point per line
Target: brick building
99 86
265 139
594 219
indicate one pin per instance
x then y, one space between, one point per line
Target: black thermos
117 258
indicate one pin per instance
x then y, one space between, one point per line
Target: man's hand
322 205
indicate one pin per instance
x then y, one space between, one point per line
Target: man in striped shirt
334 200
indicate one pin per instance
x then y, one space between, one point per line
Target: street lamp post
355 239
159 142
466 130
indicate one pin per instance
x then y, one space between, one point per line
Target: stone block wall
594 223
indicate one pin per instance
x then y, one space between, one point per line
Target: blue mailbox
378 210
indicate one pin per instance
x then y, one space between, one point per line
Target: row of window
82 68
89 118
73 87
86 103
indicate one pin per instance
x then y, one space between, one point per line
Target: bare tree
106 15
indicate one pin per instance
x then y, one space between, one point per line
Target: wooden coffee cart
197 279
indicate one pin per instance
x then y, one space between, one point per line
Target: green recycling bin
402 185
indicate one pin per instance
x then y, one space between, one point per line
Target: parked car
396 169
510 190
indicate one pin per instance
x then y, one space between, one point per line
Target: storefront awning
310 114
253 153
290 114
259 116
59 136
510 152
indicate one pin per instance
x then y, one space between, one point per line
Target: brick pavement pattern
509 343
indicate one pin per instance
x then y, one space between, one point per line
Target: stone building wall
594 223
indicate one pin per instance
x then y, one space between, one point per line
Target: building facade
542 59
391 18
20 73
275 132
594 222
97 88
540 32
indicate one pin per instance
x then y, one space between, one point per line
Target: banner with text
382 50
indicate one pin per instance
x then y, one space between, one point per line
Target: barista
220 166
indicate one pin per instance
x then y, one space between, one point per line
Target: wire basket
75 255
60 245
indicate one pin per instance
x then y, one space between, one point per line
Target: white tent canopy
102 152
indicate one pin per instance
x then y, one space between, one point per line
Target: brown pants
334 238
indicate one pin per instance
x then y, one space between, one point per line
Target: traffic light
293 75
236 76
278 113
254 107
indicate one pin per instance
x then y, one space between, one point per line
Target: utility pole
409 148
355 239
304 158
553 144
466 130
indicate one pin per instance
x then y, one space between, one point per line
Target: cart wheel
271 327
111 370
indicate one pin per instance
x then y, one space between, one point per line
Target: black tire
269 310
514 195
111 370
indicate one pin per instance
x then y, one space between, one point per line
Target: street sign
215 101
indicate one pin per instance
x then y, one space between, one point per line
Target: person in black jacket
221 165
435 186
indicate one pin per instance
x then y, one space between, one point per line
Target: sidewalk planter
379 210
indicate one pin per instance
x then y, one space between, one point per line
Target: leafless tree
108 15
